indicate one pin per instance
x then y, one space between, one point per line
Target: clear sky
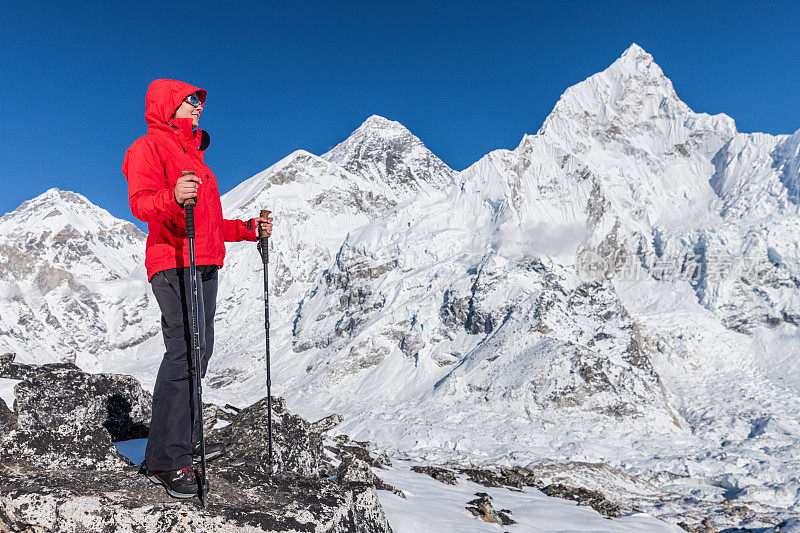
466 77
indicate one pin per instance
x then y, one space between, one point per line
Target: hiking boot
181 483
213 450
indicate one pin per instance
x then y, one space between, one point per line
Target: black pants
176 418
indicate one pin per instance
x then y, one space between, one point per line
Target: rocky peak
635 61
384 151
59 254
56 210
632 90
64 230
383 126
624 132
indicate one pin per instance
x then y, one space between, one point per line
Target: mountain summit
635 61
68 269
630 97
67 230
56 209
385 151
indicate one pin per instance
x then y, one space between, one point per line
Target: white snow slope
620 288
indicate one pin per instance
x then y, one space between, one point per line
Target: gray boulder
357 478
66 418
295 448
72 400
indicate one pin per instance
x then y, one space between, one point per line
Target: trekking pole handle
189 204
189 201
263 238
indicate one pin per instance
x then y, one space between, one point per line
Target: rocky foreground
59 470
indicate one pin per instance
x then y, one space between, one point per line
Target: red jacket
153 164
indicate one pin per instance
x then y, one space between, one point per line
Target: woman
157 189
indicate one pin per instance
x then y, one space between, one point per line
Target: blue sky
466 77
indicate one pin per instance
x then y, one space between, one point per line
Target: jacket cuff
250 233
172 204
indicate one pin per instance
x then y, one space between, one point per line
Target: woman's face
187 110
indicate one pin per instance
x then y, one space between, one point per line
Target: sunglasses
193 101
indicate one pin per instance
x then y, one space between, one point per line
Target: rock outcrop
59 470
482 508
67 419
592 498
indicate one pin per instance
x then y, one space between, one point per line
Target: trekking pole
263 247
198 386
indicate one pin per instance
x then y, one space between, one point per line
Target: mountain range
620 288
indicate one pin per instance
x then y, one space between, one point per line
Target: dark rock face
353 470
483 509
58 466
482 476
9 368
72 400
8 420
439 474
704 527
85 449
517 478
326 424
356 457
356 476
592 498
361 450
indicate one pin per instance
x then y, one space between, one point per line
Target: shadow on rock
119 423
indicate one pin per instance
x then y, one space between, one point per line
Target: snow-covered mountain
385 152
621 287
72 280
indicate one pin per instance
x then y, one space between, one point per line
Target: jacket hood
163 98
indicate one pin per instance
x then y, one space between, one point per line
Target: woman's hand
186 187
263 223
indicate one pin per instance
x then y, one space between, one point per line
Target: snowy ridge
620 288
